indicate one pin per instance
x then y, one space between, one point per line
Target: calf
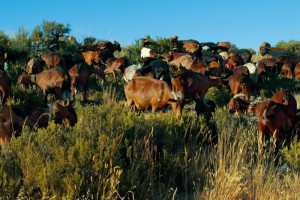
14 118
116 65
5 87
80 74
55 81
147 93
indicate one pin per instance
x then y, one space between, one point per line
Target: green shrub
220 97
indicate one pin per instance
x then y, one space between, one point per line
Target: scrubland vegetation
116 153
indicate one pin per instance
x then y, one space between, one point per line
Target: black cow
244 53
159 68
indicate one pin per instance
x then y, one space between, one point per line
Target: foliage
291 45
292 154
219 97
116 153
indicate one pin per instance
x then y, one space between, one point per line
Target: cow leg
45 99
85 93
276 136
154 108
129 103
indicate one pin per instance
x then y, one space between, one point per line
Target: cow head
63 113
117 46
238 103
176 103
234 60
287 69
178 85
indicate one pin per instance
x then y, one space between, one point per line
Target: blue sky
244 23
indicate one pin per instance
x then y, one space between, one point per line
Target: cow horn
65 103
214 77
239 96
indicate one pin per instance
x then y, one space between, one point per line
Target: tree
19 46
3 39
52 32
292 46
88 41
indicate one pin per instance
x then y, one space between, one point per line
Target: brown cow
14 118
241 83
91 56
185 60
148 93
266 65
55 81
297 71
290 104
270 50
80 74
116 65
192 47
193 85
5 87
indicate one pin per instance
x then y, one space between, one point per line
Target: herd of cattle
150 85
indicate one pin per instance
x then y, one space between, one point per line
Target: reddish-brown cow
272 122
55 81
14 118
148 93
80 74
193 85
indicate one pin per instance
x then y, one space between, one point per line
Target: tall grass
115 153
